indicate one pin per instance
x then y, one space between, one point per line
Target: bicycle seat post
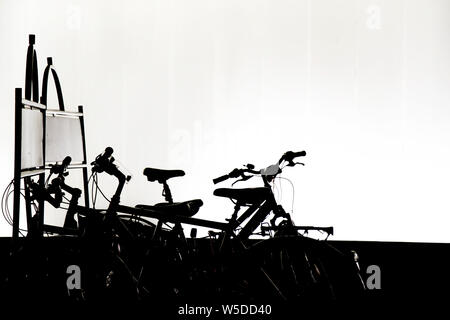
233 218
166 191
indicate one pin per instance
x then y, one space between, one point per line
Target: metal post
85 170
17 162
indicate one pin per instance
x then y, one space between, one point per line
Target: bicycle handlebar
59 169
220 179
56 185
288 156
104 161
236 173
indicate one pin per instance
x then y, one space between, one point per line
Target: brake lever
243 178
292 164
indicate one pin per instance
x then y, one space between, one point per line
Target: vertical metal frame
31 71
57 85
17 162
32 99
85 170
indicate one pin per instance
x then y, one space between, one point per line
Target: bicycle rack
34 160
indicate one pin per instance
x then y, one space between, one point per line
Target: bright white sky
206 86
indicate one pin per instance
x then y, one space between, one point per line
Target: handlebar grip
108 152
290 156
298 154
61 168
220 179
66 162
104 157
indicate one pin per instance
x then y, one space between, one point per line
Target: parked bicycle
298 267
131 257
234 259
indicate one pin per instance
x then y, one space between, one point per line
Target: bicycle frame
259 211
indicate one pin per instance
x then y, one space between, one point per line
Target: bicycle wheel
299 269
114 256
163 274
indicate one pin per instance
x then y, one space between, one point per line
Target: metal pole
17 162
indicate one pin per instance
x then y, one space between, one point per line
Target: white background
206 86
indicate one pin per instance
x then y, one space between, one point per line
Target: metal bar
174 219
72 166
85 211
31 172
244 216
28 206
256 220
328 230
17 162
58 87
33 104
45 84
59 230
29 66
47 70
35 78
41 202
57 113
85 171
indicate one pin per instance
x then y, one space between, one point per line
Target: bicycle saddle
161 175
185 208
247 195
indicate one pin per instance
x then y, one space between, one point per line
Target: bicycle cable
5 192
99 189
293 191
5 206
